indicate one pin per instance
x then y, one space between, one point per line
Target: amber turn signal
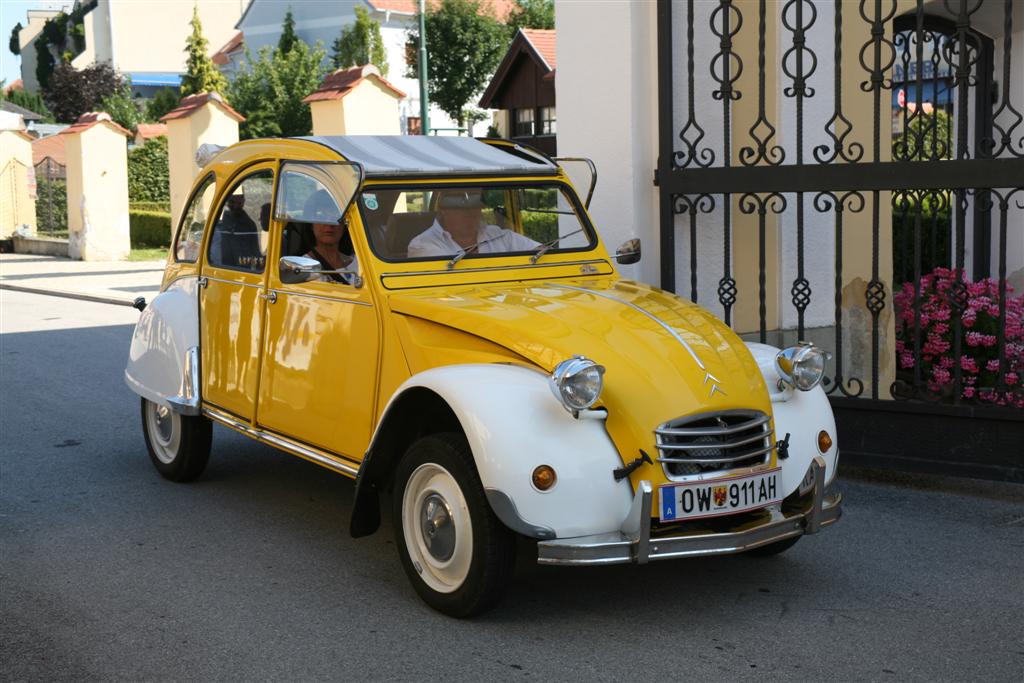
544 477
824 441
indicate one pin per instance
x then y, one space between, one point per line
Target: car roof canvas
405 155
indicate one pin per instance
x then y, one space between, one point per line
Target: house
323 22
523 88
143 40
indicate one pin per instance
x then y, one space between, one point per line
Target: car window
193 223
438 222
239 239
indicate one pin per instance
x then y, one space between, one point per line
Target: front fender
513 423
163 361
801 414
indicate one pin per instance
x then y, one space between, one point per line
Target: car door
232 296
319 375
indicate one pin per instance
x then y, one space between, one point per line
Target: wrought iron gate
51 198
950 184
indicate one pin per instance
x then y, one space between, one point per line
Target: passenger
328 236
235 240
459 226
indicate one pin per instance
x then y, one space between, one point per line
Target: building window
547 120
523 122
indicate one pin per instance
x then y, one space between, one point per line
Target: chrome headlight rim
794 362
564 380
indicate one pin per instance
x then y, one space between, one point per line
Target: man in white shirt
459 226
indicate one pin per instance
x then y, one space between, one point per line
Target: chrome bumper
633 542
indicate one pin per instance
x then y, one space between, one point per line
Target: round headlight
802 365
577 383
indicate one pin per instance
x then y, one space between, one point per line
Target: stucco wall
17 205
26 40
97 172
209 124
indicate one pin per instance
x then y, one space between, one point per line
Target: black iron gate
949 372
51 198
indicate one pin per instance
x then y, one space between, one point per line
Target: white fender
513 424
163 362
801 414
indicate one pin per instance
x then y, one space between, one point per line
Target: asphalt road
109 572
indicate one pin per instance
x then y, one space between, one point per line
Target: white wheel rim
164 426
437 528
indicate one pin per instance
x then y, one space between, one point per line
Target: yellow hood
665 357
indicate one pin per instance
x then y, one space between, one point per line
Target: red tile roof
339 83
501 8
192 103
145 131
222 56
94 118
15 85
51 146
543 41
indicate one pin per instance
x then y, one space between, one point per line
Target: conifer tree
288 36
360 43
201 73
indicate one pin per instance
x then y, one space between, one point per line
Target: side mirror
628 252
296 269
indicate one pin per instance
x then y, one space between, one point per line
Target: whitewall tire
179 445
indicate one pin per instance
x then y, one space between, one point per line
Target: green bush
148 177
149 228
540 227
160 207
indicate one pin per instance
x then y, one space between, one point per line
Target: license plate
697 499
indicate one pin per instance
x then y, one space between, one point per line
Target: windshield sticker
370 202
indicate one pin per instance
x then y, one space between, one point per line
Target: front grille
714 442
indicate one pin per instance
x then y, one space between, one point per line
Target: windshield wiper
461 254
544 248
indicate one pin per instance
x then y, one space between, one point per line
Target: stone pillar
97 177
17 205
199 119
356 101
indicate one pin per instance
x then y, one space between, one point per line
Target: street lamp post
424 103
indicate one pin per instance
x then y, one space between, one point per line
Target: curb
96 298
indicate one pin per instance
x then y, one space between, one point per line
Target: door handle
270 296
203 281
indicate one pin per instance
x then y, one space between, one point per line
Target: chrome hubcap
436 524
164 426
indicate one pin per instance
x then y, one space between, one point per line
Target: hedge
149 228
148 178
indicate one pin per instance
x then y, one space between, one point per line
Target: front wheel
455 551
179 445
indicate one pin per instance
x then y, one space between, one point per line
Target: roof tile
341 82
190 104
94 118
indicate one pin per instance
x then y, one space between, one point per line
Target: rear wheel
179 445
455 551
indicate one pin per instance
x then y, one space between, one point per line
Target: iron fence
51 198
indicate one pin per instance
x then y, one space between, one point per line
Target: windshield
472 221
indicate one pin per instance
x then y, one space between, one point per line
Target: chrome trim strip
322 298
710 431
760 436
493 268
662 323
708 460
188 401
280 442
233 282
619 547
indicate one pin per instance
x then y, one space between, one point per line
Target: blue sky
11 12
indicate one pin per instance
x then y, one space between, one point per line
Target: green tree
926 138
533 14
122 108
15 42
360 43
288 38
29 100
269 90
163 101
464 46
201 75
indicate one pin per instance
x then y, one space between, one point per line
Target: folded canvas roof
410 155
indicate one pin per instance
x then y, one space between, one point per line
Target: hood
664 356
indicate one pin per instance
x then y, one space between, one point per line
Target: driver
459 226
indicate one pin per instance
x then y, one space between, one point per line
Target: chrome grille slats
712 443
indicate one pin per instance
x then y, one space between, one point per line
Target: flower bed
979 344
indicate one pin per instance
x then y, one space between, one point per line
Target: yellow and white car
437 318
